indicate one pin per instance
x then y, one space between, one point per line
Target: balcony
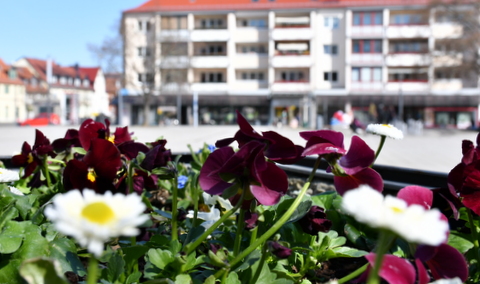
250 34
294 33
174 35
291 86
408 59
291 61
408 31
374 31
174 62
366 86
215 61
372 59
209 87
447 84
250 61
249 85
407 86
446 30
210 35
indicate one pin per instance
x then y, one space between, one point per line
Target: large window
252 75
367 18
259 49
211 77
174 48
174 22
212 24
143 25
408 46
145 77
292 76
330 49
367 46
212 50
367 74
257 23
408 19
330 76
408 74
143 51
331 22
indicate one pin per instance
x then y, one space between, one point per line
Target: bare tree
463 44
109 54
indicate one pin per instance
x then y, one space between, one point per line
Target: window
259 49
6 89
330 76
258 23
408 19
367 18
174 22
367 46
258 76
212 50
145 77
408 46
211 24
143 25
292 76
331 22
143 51
174 48
330 49
367 74
86 83
211 77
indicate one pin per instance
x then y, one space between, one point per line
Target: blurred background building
294 62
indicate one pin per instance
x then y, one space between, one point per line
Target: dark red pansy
444 261
315 221
278 250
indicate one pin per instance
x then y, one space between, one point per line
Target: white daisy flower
15 190
385 130
413 223
92 219
455 280
209 217
7 175
213 199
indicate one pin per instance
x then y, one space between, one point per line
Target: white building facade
294 62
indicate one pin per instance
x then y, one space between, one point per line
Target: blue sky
57 29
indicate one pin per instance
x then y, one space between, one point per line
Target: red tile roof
211 5
4 76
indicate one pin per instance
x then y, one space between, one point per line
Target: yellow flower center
111 138
30 158
387 125
396 209
98 212
91 176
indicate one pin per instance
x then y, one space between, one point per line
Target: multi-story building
12 95
73 93
294 60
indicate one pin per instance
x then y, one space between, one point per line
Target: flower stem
130 178
473 230
46 172
191 247
92 274
174 210
384 242
239 234
278 224
352 275
260 264
253 236
382 141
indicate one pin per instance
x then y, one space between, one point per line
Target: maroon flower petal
224 142
282 150
394 270
472 201
321 146
422 273
246 128
88 131
104 157
366 176
446 262
358 157
131 149
334 137
209 179
121 135
279 251
271 189
75 176
414 194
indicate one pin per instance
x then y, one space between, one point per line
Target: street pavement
436 150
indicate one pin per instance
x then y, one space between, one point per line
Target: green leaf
324 200
132 254
250 260
34 244
348 252
65 252
183 279
160 258
11 237
232 278
115 268
461 244
8 211
9 271
210 280
167 215
41 271
133 277
79 150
